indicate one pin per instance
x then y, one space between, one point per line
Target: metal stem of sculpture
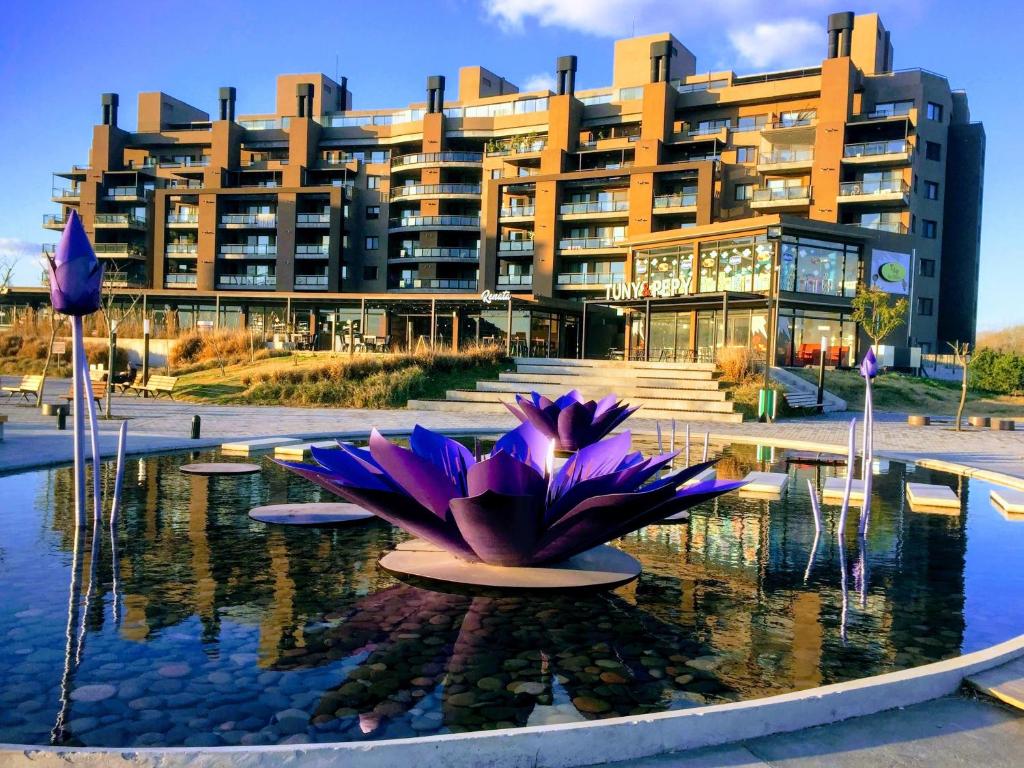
868 369
115 508
687 462
844 609
78 419
707 438
672 441
851 462
816 509
657 428
57 732
94 438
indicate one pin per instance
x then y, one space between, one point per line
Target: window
495 173
929 229
913 223
742 192
372 243
934 111
925 306
372 212
818 266
931 190
926 268
369 273
893 108
751 123
746 154
379 156
373 182
932 150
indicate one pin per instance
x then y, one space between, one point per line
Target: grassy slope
899 392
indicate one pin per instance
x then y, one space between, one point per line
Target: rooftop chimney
109 102
435 93
227 103
343 96
661 61
304 100
565 70
840 34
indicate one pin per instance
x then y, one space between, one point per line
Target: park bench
99 390
29 385
156 386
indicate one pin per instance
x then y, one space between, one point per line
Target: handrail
418 158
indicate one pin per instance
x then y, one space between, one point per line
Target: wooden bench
29 385
156 386
99 391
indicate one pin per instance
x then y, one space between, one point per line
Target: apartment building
665 216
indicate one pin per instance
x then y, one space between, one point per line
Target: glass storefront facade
818 266
800 336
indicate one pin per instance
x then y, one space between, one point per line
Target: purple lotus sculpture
509 508
569 421
76 275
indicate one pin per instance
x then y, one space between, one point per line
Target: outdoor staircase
682 391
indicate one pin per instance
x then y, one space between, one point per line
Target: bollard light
196 424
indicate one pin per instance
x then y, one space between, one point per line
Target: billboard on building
890 271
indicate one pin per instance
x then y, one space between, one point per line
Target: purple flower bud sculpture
868 369
509 508
569 421
76 279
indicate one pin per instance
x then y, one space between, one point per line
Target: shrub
10 344
1000 372
736 363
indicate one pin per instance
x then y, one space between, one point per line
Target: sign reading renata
488 297
890 271
644 289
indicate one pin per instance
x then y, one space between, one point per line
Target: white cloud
790 42
596 17
13 248
24 257
539 82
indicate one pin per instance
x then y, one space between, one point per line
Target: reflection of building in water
204 587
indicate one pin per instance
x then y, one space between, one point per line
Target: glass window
372 243
929 229
373 182
931 190
751 123
372 212
926 268
818 266
742 192
933 150
934 111
893 108
746 154
369 273
925 306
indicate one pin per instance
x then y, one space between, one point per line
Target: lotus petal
75 274
526 444
443 452
501 529
417 476
503 473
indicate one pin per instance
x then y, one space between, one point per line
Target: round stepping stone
220 468
98 692
320 515
603 567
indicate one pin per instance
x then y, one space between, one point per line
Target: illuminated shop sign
489 297
644 289
890 271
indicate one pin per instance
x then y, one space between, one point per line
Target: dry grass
1005 340
736 363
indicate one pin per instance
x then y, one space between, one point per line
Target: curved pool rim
573 745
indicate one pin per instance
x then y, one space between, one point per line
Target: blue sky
57 57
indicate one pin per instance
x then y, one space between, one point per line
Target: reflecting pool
202 627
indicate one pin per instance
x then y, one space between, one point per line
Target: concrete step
594 390
721 406
613 364
617 373
605 383
455 406
1005 683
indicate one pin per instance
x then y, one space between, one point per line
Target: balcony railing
183 218
119 219
185 162
463 254
779 194
684 200
118 279
249 219
117 249
707 130
788 156
517 210
249 250
595 206
312 250
586 278
790 122
313 218
511 281
425 158
436 221
874 187
311 281
54 220
515 245
180 248
440 283
896 227
247 281
524 148
874 148
187 278
435 189
587 243
125 192
184 184
65 193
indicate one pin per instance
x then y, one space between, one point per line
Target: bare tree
962 353
8 262
56 323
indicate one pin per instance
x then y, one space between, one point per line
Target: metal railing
436 221
873 148
54 220
517 149
65 193
515 245
437 284
130 192
119 279
874 187
510 281
779 194
315 249
183 218
422 158
896 227
463 254
804 155
595 206
250 219
124 249
184 184
249 250
684 200
792 122
185 162
517 210
435 189
319 281
188 278
127 219
313 218
585 278
182 248
708 130
585 243
260 281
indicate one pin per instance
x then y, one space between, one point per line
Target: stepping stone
301 450
932 498
764 483
1008 500
1005 683
835 488
220 468
249 447
316 515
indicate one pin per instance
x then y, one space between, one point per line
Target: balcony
590 243
593 209
519 148
118 221
894 152
515 281
126 194
313 220
707 133
241 250
515 247
118 250
312 251
311 282
796 130
247 281
781 198
895 227
414 223
429 159
783 160
437 284
180 280
570 280
440 191
903 112
184 184
65 194
248 221
437 254
518 212
876 191
54 221
120 279
181 249
185 162
183 220
685 202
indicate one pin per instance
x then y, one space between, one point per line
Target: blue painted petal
417 476
347 469
570 397
527 444
449 456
